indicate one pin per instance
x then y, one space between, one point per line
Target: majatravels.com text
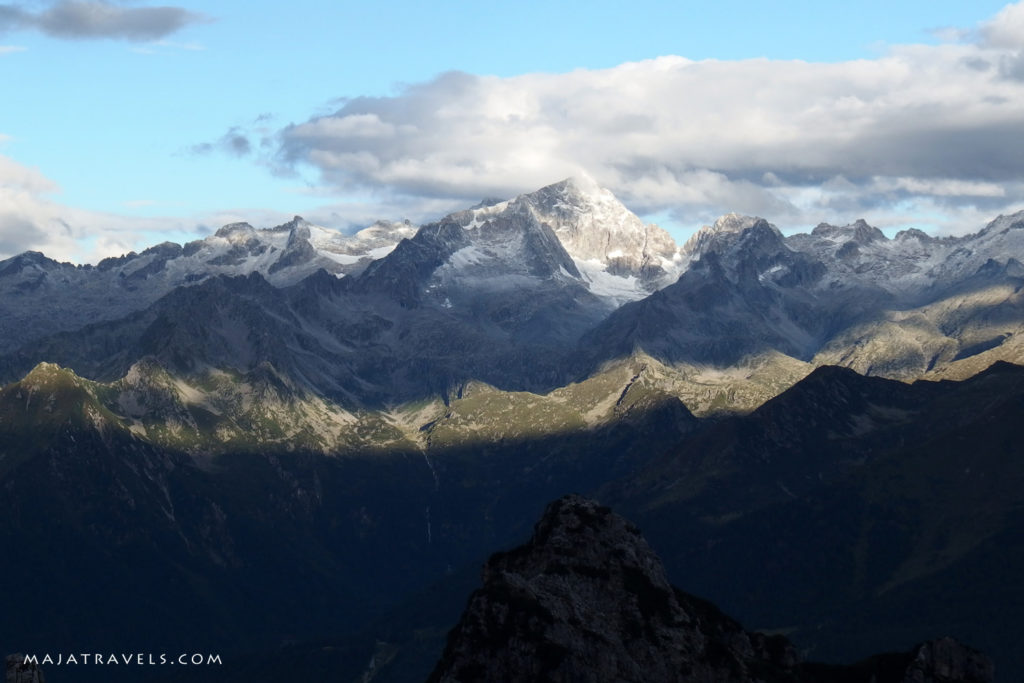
123 659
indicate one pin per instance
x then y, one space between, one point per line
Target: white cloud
938 123
31 219
190 47
1005 29
10 49
15 176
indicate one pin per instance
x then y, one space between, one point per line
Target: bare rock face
946 661
17 671
586 599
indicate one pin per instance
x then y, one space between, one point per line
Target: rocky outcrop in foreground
17 671
586 599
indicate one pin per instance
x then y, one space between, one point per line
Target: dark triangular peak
298 250
319 283
835 400
502 248
818 429
538 248
296 223
586 599
1000 368
400 275
829 377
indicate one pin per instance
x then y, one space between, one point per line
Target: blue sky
125 123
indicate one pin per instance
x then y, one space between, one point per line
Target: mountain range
268 437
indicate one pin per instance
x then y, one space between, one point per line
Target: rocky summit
586 599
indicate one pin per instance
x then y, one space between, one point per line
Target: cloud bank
922 130
31 219
90 19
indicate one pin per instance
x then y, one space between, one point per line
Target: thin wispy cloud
171 45
935 127
161 47
10 49
97 19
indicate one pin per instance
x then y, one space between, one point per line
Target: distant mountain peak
33 257
45 373
487 202
723 233
859 232
583 185
596 228
578 194
914 234
296 220
1005 223
734 222
383 229
26 259
232 229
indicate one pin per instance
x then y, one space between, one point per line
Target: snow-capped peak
387 230
583 190
594 226
719 234
618 256
859 232
733 222
1003 223
233 231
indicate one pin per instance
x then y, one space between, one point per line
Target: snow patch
616 288
344 259
381 252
